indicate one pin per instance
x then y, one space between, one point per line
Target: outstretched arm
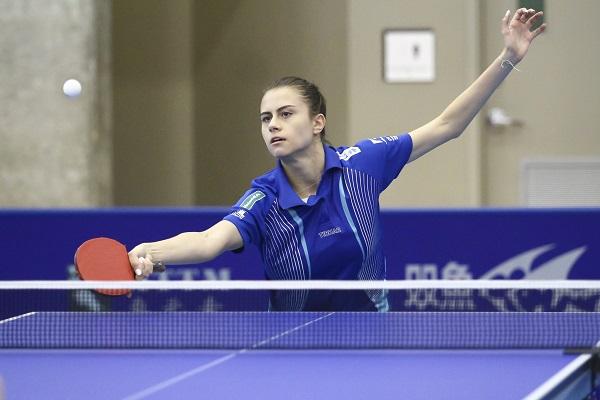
455 118
186 248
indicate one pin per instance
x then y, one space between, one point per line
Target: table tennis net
235 315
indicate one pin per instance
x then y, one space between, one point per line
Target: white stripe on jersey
364 196
282 257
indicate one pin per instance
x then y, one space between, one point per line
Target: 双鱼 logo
520 266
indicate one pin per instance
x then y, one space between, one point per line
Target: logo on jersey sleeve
239 213
252 199
383 139
348 153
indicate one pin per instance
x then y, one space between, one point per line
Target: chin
279 151
279 154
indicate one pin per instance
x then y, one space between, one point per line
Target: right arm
186 248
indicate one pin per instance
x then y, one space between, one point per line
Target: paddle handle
159 267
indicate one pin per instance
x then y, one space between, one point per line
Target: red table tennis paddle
104 259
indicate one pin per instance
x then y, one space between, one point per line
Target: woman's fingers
144 268
518 14
525 15
539 30
505 20
528 14
141 265
134 261
535 16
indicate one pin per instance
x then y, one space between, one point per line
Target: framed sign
408 55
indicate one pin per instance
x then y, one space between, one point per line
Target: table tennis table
262 355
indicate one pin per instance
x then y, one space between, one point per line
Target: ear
319 122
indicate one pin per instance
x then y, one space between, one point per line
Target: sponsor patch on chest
329 232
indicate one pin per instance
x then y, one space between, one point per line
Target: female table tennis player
316 214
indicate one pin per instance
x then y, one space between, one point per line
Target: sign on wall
408 56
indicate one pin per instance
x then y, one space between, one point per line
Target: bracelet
509 63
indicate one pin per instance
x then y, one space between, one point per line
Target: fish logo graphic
521 267
522 264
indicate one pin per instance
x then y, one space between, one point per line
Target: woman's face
286 124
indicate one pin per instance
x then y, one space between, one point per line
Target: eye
265 119
286 114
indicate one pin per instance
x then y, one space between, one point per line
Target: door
555 98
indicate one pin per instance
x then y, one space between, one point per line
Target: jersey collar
287 197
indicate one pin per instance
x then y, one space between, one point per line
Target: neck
304 170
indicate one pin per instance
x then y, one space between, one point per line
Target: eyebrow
279 109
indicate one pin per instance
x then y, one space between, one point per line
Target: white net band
306 285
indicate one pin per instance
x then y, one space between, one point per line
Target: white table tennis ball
72 88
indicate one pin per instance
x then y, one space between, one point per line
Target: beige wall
444 177
187 78
153 102
189 75
556 96
188 81
241 46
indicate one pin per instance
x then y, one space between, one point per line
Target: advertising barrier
419 244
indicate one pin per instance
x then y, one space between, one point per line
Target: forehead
279 97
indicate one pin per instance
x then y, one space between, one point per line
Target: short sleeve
383 157
248 215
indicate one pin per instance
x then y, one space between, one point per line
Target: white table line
188 374
17 317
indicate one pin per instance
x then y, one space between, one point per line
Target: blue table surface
275 374
249 372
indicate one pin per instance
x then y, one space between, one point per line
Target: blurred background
168 111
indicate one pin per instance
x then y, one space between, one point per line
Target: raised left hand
517 32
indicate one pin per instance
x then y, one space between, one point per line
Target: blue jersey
335 235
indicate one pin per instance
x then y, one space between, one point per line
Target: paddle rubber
105 259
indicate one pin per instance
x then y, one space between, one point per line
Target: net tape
305 285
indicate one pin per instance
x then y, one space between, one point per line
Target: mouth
277 139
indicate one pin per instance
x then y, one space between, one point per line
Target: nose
273 125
